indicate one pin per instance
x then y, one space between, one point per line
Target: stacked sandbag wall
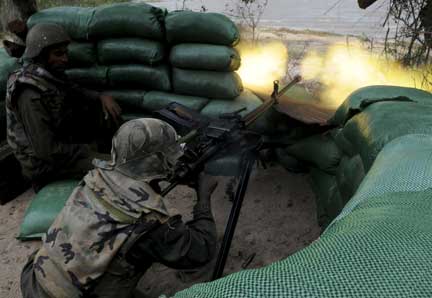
117 48
148 58
368 119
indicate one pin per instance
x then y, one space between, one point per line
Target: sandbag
380 123
198 27
205 57
12 183
211 84
74 20
319 150
247 100
140 76
290 163
127 20
349 175
403 165
374 93
129 100
328 199
81 54
8 64
156 100
130 50
345 146
44 208
90 77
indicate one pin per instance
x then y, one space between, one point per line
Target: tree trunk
16 9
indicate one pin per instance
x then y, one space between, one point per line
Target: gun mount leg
247 163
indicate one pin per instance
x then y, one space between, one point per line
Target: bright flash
262 64
345 68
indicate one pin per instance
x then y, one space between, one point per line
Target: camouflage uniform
40 128
114 225
40 108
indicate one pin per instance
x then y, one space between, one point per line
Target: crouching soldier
47 118
115 224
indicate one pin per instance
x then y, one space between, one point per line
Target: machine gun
208 139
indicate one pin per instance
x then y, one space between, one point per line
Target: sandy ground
277 219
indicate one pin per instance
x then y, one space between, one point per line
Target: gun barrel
296 80
255 114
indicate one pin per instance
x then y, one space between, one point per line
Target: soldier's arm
38 126
177 244
109 105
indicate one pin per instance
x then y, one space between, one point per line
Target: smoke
262 64
345 68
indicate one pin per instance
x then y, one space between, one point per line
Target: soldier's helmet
43 35
145 148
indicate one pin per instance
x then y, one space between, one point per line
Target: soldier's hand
110 107
206 185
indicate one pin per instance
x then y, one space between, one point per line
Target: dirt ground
277 219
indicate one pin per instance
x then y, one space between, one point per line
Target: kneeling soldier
115 224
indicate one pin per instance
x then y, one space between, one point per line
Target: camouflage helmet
145 148
43 35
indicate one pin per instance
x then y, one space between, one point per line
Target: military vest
84 252
52 98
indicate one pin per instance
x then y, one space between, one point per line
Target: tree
249 12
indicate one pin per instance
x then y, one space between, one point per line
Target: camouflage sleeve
87 93
177 244
38 126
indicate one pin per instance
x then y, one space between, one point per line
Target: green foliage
51 3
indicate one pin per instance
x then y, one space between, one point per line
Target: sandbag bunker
370 170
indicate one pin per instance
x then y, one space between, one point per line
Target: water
336 16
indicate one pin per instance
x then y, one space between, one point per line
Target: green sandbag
81 54
382 122
140 76
205 57
328 199
129 100
373 93
90 77
211 84
7 65
44 208
290 163
345 146
247 100
198 27
155 100
319 150
74 20
127 20
129 51
349 175
403 165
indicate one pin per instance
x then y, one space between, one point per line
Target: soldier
115 224
45 113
